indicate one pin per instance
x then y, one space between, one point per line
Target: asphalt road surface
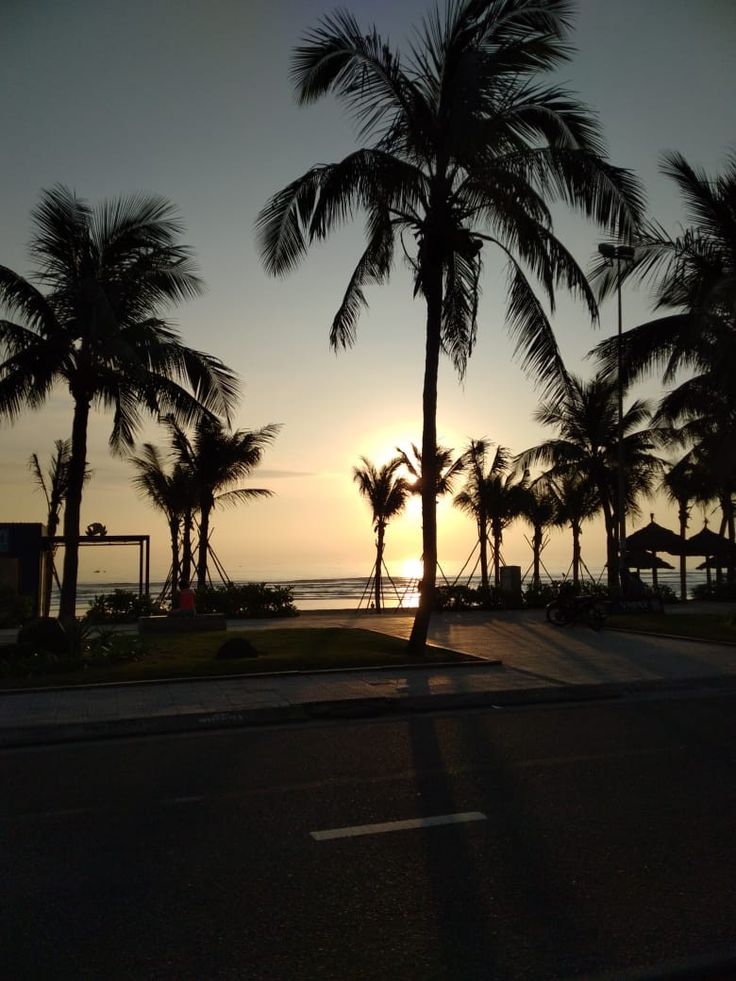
600 841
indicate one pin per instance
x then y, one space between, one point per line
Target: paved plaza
519 656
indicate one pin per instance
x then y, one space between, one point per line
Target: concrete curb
356 708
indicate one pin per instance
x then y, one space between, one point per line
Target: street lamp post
619 254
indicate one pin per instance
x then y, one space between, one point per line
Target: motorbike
570 608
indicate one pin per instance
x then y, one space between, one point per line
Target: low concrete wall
182 624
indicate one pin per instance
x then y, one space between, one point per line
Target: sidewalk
521 659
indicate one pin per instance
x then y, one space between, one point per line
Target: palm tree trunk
483 540
683 516
52 526
204 534
174 532
610 522
186 547
576 552
379 564
433 292
496 555
72 509
537 549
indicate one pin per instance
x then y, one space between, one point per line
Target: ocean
350 592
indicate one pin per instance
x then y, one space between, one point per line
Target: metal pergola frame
144 552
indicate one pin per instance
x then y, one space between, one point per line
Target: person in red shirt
187 605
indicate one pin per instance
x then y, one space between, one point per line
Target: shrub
249 600
667 594
43 650
15 609
121 606
45 634
717 591
538 595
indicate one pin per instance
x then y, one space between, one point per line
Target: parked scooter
571 607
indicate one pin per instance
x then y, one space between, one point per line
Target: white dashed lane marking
414 823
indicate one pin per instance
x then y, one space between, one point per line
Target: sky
191 99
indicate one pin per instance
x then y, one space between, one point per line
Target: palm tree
539 507
462 149
94 325
216 459
447 469
576 501
493 496
171 490
54 488
694 275
586 420
386 493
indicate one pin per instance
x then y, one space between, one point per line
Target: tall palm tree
586 420
170 489
54 488
386 493
493 495
462 148
216 459
93 323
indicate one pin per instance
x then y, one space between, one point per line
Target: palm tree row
197 473
91 319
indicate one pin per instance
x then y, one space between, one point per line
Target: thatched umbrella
714 548
653 538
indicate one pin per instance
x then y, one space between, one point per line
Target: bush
121 606
43 649
667 594
249 600
538 595
717 591
15 609
45 634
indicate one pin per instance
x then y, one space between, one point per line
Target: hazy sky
191 99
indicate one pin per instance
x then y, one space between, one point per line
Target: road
606 844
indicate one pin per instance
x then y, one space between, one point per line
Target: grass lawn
291 649
699 626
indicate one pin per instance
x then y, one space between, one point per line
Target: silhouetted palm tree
170 488
493 495
462 148
386 493
94 324
447 469
576 501
217 459
586 420
694 275
54 488
539 507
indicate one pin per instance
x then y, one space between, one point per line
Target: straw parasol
653 538
714 548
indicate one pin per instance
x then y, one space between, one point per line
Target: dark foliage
249 600
14 608
717 591
121 606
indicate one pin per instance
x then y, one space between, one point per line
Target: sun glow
412 569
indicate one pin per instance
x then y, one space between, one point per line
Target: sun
412 569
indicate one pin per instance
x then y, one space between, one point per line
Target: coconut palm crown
462 148
93 323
